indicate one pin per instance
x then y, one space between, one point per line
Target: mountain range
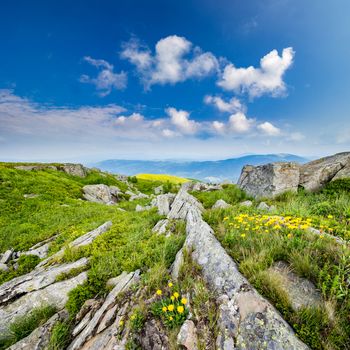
210 171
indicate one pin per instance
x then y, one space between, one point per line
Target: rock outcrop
269 180
314 175
101 193
275 178
68 168
163 202
246 320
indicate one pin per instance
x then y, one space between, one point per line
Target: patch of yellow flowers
170 306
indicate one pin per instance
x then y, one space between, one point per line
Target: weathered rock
246 320
153 337
3 267
221 204
40 251
176 266
5 258
100 194
36 279
181 205
138 196
125 281
140 208
35 167
161 227
81 241
187 336
319 233
55 294
314 175
89 305
159 190
263 206
301 292
74 169
246 204
163 202
39 339
269 180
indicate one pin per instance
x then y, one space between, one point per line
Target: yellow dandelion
172 298
176 295
330 216
243 235
170 284
164 309
170 318
171 307
180 309
121 322
289 235
159 292
184 301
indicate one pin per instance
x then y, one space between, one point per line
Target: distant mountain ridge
212 171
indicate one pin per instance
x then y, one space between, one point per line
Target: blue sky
195 79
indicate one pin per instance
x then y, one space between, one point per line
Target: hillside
92 260
214 171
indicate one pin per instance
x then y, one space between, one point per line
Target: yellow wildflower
170 284
225 218
159 292
133 317
176 295
184 301
171 307
121 322
289 235
243 235
180 309
330 216
172 298
164 309
170 318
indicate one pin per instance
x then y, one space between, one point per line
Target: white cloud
106 79
169 133
231 106
268 79
269 129
168 65
239 123
180 119
219 127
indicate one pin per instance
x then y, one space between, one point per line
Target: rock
246 204
263 206
161 227
137 196
314 175
74 169
40 251
125 281
89 305
153 337
55 295
100 194
301 292
269 180
3 267
245 317
39 339
187 336
6 256
319 233
181 205
177 264
37 279
30 195
272 208
163 202
141 208
159 190
35 167
81 241
221 204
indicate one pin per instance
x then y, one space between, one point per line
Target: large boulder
74 169
101 193
269 180
314 175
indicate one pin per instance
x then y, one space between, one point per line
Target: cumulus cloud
269 129
267 79
239 123
173 61
231 106
106 79
180 119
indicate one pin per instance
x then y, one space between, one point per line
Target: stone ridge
246 320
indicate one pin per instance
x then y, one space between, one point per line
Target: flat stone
246 204
263 206
301 292
221 204
187 336
6 256
3 267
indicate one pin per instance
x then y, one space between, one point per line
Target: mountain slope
202 170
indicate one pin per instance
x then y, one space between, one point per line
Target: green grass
60 336
23 326
230 194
